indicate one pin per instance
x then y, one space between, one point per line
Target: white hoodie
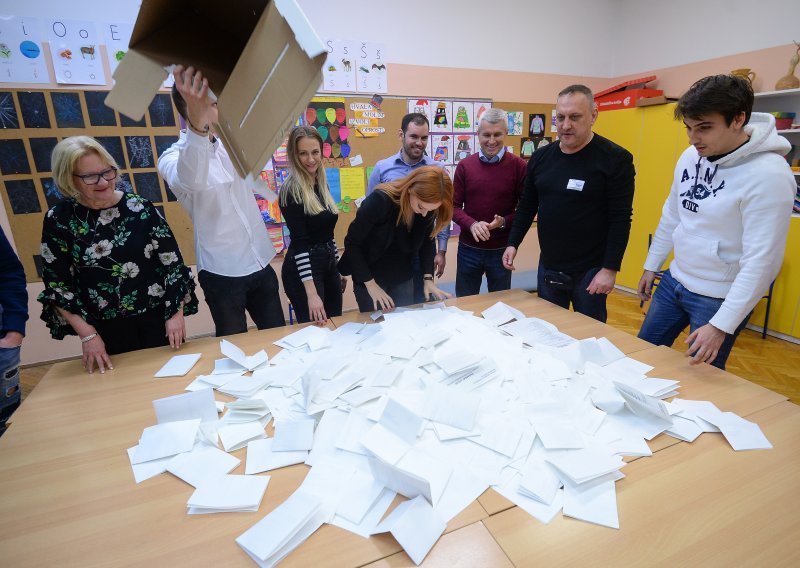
727 221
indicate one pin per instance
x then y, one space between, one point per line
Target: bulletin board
33 122
534 138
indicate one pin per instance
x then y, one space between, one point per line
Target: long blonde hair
430 184
300 184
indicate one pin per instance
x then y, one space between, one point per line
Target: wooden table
68 498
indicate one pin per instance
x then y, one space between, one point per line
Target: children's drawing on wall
479 109
526 147
442 116
465 144
515 123
553 121
328 116
463 116
422 106
544 141
536 125
443 148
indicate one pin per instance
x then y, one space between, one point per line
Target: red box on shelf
625 95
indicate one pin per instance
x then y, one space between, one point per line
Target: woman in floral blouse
112 270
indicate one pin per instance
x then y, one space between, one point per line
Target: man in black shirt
582 189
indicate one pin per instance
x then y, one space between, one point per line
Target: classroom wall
515 51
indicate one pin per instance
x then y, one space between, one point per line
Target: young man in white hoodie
726 218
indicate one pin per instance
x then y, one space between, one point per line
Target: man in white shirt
231 242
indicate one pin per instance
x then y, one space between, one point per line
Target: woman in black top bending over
395 222
309 274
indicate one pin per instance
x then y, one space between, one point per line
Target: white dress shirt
229 234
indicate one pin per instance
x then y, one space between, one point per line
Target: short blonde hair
67 153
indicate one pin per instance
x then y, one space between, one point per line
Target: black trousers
142 331
327 281
229 296
402 294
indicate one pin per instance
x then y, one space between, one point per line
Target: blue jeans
9 381
592 305
473 263
674 307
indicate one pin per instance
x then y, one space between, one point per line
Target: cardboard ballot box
262 59
625 94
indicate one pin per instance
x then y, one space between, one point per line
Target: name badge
575 184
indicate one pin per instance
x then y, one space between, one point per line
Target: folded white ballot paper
198 404
269 540
294 435
167 439
740 433
178 365
415 525
238 356
146 470
261 457
228 494
235 436
201 464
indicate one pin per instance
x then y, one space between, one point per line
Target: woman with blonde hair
309 274
113 273
398 220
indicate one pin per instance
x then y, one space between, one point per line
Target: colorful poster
527 147
352 183
515 123
365 120
117 36
536 125
339 71
334 183
442 116
75 49
328 116
480 108
442 148
464 146
276 235
370 62
422 106
21 56
463 117
553 121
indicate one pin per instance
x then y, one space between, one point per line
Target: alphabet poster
370 62
75 49
339 71
118 36
21 56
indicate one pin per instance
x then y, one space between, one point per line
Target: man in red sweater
487 187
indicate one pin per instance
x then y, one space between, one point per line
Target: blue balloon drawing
29 49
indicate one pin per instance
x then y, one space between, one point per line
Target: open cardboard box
262 59
626 95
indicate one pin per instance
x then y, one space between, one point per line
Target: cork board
33 122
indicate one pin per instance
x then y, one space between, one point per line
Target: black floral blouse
108 263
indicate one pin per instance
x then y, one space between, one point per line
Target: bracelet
427 278
88 337
195 129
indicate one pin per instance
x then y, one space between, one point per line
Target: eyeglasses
94 179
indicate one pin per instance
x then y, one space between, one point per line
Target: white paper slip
355 428
585 464
501 313
198 404
452 406
203 463
462 489
592 502
415 526
295 435
235 436
283 529
361 395
539 482
458 361
558 434
360 495
250 362
244 387
399 480
740 433
538 510
146 470
260 457
167 439
370 519
302 336
684 429
643 405
220 379
227 366
228 493
424 465
178 365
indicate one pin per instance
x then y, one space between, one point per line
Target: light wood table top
69 498
699 504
